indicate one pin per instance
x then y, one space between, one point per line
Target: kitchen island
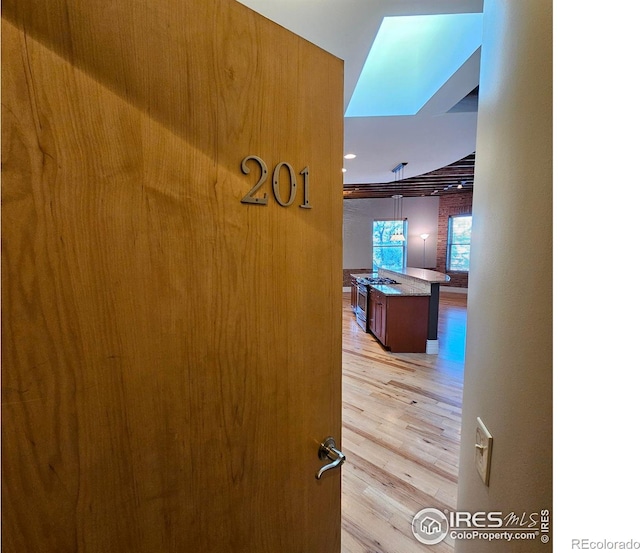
403 316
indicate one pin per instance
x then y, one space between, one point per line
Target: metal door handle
328 450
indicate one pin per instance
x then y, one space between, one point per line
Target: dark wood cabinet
377 314
400 323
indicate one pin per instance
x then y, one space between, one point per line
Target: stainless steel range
362 305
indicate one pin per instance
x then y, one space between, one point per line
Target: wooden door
170 355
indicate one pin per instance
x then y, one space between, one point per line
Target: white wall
508 368
422 217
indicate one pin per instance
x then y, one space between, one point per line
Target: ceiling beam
441 181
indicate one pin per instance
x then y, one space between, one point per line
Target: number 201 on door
251 198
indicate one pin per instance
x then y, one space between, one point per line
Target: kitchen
400 308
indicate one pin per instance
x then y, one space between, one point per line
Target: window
389 244
459 243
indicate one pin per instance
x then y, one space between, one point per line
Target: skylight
411 58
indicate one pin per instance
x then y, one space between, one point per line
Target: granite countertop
402 290
426 275
411 281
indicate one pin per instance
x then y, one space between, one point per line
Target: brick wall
451 204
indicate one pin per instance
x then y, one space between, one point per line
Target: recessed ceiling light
394 83
350 156
344 170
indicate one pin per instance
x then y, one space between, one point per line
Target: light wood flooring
401 433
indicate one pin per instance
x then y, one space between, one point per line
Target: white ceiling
428 140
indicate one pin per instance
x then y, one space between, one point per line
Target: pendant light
398 235
398 173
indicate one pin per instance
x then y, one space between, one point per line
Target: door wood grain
171 356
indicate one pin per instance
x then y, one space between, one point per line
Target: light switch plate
484 445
